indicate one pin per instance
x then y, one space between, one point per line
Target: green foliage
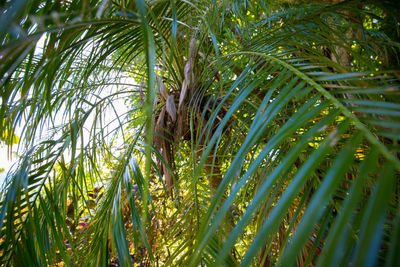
257 133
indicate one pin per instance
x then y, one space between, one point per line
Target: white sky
121 109
5 162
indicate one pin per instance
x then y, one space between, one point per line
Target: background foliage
257 133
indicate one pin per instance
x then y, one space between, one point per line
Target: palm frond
257 133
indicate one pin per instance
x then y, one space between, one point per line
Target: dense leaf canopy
200 133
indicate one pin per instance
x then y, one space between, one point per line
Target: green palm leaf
251 133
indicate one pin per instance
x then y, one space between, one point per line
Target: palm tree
257 133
